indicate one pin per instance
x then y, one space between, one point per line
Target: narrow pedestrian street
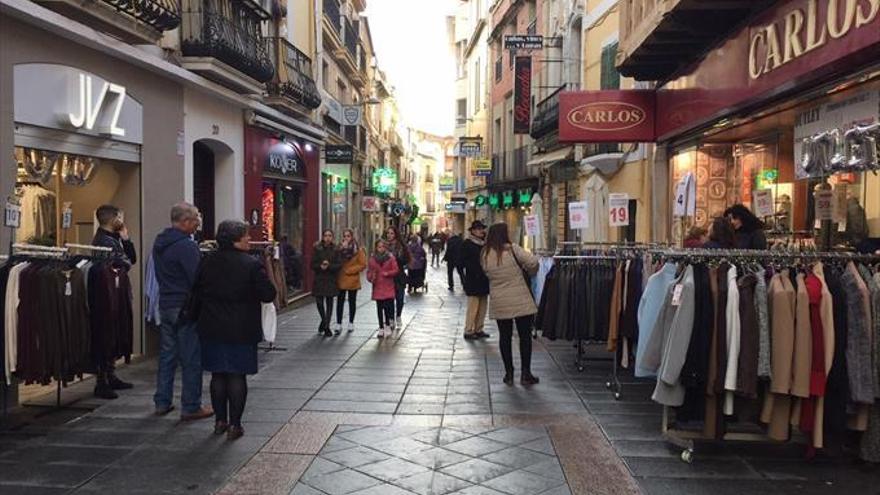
424 412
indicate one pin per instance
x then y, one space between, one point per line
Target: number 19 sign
618 209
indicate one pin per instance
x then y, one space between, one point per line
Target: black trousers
450 270
385 311
524 329
352 305
435 259
228 397
325 309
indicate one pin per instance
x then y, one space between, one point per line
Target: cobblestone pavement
424 412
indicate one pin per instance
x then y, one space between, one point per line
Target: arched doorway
210 159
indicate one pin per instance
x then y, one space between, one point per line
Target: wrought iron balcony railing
546 118
162 15
350 38
228 31
293 74
331 11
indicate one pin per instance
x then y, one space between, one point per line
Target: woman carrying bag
228 293
354 261
508 267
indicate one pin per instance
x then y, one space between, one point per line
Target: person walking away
401 254
510 299
436 249
326 265
721 235
381 273
453 253
228 294
354 261
476 285
418 262
749 228
112 233
176 257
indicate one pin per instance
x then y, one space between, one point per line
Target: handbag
526 277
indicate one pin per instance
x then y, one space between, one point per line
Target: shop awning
552 157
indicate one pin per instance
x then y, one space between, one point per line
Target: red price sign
618 209
824 205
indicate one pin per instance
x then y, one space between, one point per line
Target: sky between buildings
412 47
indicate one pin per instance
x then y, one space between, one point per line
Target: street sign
523 42
447 183
483 167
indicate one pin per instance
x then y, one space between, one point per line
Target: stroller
416 280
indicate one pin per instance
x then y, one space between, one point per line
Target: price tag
824 205
66 216
676 294
577 215
12 218
763 202
618 209
531 222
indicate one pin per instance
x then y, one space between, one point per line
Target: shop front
281 200
783 117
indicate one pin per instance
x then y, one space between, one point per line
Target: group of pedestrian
737 228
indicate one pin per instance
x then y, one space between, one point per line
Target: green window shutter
610 78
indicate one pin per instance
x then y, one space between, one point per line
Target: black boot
103 390
117 384
508 377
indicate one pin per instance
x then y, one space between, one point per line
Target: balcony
350 133
133 21
546 118
605 157
350 38
333 16
222 40
510 166
292 88
658 37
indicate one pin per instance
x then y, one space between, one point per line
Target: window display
282 221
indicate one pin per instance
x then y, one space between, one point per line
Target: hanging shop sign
790 45
483 167
525 197
578 218
384 181
447 183
62 97
285 159
371 204
339 154
470 147
522 95
523 42
495 201
507 199
481 201
352 115
618 210
607 116
457 205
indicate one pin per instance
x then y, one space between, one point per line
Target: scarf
348 251
476 240
382 258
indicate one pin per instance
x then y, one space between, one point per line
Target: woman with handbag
227 306
508 268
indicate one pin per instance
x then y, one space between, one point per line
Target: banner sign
483 167
447 182
470 147
523 42
343 155
352 115
607 116
522 95
577 215
618 209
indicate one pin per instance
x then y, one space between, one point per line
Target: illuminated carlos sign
606 116
97 99
806 28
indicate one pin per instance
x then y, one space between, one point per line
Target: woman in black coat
326 264
749 228
229 290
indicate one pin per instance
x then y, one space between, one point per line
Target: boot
508 377
103 390
528 378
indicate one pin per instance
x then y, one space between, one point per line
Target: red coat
382 277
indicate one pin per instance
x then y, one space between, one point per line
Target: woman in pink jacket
381 272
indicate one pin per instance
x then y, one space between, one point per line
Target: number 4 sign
618 209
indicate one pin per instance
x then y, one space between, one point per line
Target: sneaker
381 334
202 413
350 327
117 384
398 324
338 329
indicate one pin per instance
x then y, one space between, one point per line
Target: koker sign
607 116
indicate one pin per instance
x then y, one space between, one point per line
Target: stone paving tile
303 489
476 470
343 482
518 458
432 483
435 458
300 438
392 469
478 490
351 406
400 446
476 446
319 467
355 457
522 483
267 474
383 489
441 436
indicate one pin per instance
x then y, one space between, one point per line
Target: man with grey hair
176 257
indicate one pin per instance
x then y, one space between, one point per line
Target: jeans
178 343
524 329
325 309
385 312
352 305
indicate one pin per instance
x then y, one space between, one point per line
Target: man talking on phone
112 233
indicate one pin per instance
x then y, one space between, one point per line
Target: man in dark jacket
113 234
177 257
453 251
476 285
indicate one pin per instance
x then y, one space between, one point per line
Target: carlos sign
607 116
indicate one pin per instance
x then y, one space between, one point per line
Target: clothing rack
686 439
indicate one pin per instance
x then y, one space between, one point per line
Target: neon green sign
384 181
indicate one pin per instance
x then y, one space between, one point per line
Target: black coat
325 280
754 239
453 250
229 289
121 247
475 281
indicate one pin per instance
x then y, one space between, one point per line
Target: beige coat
509 297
